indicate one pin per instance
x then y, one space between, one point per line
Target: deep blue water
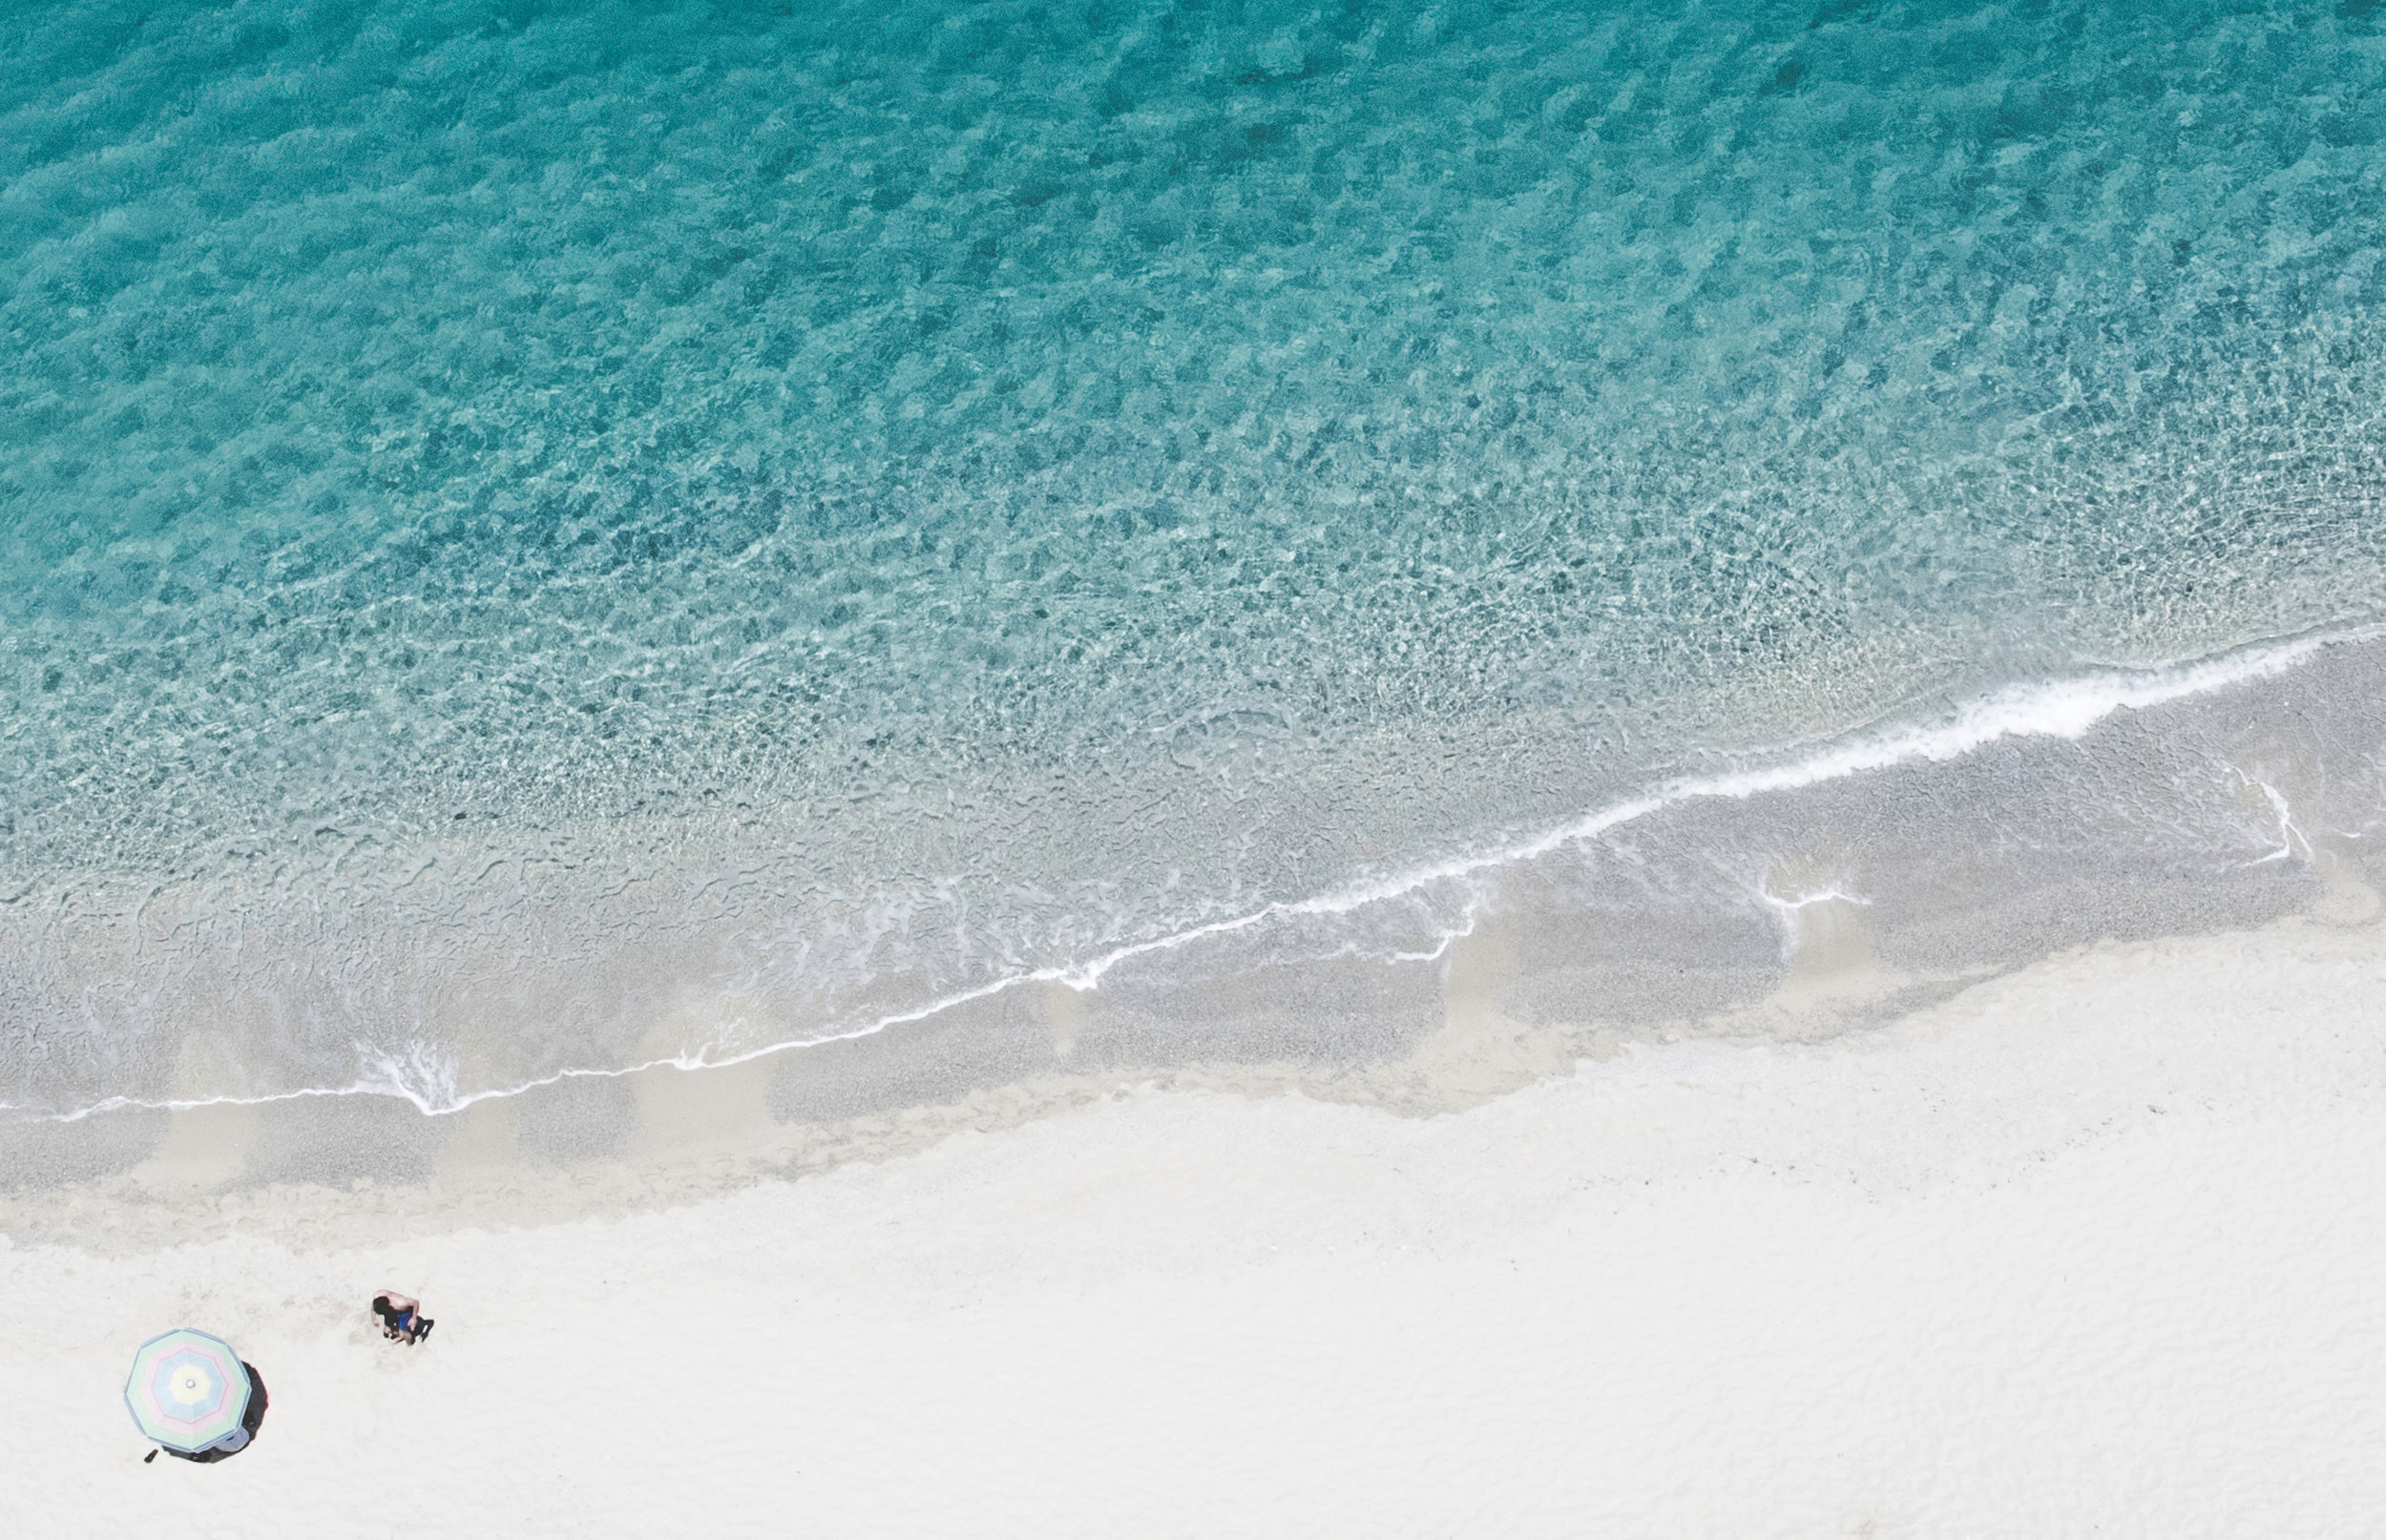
522 523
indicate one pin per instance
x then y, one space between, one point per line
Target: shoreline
365 1169
1449 895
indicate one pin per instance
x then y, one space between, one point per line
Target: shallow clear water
536 536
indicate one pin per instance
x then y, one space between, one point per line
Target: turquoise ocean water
533 536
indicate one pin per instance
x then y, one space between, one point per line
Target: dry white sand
2098 1248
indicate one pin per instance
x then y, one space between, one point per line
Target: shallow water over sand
531 541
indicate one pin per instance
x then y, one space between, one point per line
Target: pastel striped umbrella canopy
187 1389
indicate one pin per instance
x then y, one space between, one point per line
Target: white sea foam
2069 707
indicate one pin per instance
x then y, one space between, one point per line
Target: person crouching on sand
402 1320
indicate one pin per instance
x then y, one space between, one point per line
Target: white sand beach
2095 1248
1160 771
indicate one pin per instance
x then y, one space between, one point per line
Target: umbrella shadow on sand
251 1420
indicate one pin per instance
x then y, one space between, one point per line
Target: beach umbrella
187 1389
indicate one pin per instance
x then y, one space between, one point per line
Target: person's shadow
252 1419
